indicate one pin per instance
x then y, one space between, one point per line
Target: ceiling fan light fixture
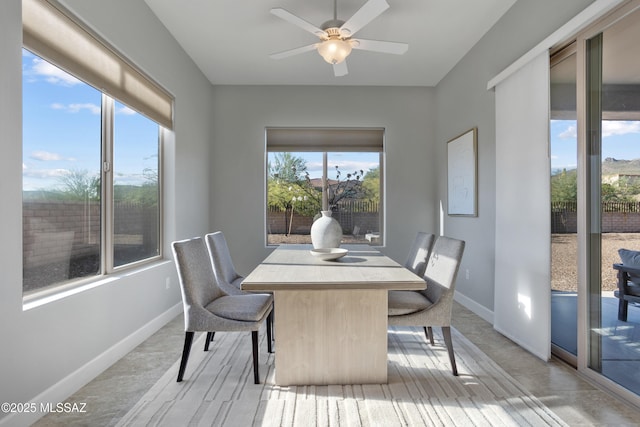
334 50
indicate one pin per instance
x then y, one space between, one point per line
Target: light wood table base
331 336
330 316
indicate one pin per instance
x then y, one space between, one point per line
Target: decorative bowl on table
329 254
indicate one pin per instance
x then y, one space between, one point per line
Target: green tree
145 194
608 193
79 185
371 184
628 187
287 167
288 196
289 187
564 186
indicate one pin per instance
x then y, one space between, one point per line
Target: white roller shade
523 227
54 36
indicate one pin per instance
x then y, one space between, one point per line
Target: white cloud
314 166
350 166
346 166
609 128
44 156
52 74
129 179
569 133
126 111
616 127
93 109
44 173
76 108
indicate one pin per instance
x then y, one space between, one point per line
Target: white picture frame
462 174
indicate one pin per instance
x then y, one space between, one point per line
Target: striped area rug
218 390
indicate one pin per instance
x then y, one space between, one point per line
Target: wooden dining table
330 316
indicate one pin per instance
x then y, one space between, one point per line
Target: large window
90 180
91 157
310 170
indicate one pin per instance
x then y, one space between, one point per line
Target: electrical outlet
167 282
466 273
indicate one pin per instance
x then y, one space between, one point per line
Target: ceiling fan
336 35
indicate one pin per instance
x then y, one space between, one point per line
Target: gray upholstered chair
208 309
228 278
432 306
419 253
226 275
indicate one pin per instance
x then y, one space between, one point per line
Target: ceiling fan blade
291 52
367 13
299 22
340 69
380 46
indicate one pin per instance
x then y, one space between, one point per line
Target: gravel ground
564 248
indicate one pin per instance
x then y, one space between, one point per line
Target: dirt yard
564 248
276 239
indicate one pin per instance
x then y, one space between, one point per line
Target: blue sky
347 162
61 133
62 130
620 140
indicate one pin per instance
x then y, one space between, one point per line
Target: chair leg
623 307
269 326
446 334
208 340
256 374
188 339
273 325
429 331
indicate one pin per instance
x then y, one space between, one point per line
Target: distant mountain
317 183
611 166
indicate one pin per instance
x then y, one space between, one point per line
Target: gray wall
241 114
214 178
463 102
86 332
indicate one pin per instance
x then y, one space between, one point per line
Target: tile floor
557 385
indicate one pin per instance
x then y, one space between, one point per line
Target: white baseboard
478 309
82 376
525 345
487 315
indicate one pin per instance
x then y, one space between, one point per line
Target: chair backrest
442 269
419 253
197 281
223 266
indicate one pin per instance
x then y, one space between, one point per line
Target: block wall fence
70 229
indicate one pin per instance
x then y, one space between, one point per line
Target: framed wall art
462 174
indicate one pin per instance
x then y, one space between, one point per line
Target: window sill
38 299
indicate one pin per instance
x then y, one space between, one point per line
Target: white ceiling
231 40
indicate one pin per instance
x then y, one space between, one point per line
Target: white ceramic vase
326 232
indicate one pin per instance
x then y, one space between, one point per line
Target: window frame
348 139
106 263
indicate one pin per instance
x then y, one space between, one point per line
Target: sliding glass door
612 196
564 233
